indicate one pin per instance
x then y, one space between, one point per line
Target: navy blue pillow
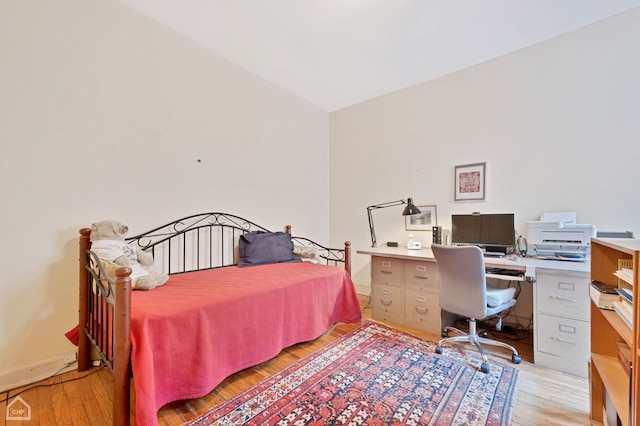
261 248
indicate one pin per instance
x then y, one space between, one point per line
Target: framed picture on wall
422 221
470 182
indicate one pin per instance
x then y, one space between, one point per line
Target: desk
405 290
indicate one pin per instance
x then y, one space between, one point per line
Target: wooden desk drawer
563 337
563 296
387 316
386 270
422 305
421 276
387 298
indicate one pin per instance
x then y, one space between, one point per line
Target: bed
212 318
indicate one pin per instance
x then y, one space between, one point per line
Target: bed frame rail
105 309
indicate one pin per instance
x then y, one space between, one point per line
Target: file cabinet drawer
387 316
563 337
422 306
563 295
421 276
386 270
424 325
387 298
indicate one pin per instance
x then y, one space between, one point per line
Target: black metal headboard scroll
197 242
207 241
331 256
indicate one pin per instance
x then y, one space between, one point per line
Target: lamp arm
374 242
389 204
373 232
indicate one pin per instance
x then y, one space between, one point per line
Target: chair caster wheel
445 333
439 350
484 367
516 359
484 334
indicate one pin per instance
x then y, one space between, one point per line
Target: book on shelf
625 294
625 311
624 356
603 295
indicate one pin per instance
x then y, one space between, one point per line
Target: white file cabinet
561 324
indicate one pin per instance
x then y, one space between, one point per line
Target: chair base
473 337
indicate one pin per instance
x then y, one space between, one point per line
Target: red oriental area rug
376 375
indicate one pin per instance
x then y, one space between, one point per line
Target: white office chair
464 291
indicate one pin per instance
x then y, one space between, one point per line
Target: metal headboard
208 241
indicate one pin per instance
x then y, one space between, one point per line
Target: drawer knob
421 310
421 278
386 302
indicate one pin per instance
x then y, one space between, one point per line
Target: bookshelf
615 394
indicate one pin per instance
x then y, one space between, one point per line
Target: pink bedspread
201 327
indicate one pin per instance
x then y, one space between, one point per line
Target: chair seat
498 296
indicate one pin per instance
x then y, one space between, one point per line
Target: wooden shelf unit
607 329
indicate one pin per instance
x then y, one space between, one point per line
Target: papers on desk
570 258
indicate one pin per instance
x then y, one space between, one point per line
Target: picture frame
470 182
423 221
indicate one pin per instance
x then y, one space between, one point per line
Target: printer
557 236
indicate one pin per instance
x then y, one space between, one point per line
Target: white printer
557 236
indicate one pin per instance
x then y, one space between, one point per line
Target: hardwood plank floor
545 397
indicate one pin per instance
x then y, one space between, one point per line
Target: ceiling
336 53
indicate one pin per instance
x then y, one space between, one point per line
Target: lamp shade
411 208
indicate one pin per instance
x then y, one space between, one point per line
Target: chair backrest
463 282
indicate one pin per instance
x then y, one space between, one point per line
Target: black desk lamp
408 210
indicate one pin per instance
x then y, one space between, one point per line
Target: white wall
104 114
557 123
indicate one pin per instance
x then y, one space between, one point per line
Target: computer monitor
495 233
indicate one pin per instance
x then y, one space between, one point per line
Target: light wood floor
545 397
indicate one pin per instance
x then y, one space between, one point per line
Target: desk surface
541 265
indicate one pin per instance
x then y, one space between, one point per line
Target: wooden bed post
347 256
84 346
122 348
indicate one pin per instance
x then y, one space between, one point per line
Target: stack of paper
625 311
625 274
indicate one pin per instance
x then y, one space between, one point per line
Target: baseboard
27 374
363 289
